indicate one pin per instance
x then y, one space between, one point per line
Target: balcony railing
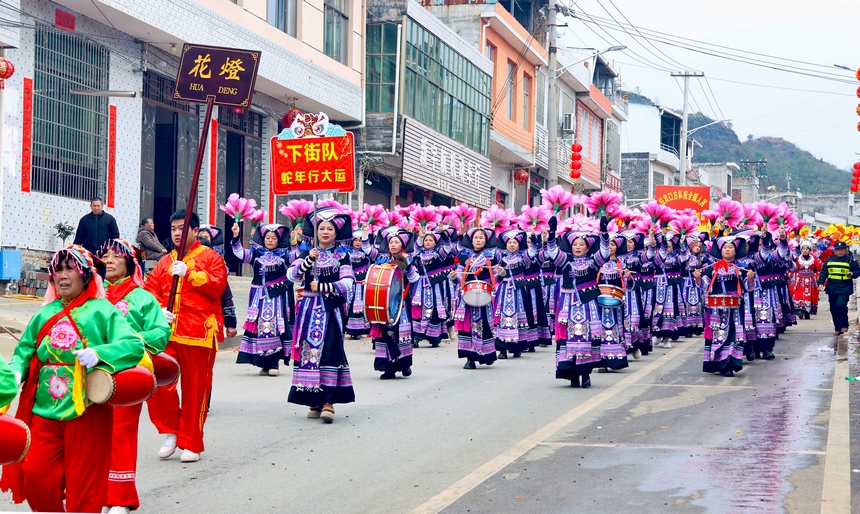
619 101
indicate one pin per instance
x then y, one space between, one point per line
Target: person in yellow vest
837 280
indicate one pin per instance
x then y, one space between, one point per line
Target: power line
666 39
646 39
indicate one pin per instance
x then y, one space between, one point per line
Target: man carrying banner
196 331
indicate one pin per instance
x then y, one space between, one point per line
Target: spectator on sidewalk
96 227
148 242
837 280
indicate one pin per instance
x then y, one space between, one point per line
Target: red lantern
576 156
576 147
858 126
854 189
855 173
521 176
290 116
855 181
7 69
858 74
575 174
576 165
857 165
858 92
858 109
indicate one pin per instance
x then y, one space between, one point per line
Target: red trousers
122 491
69 460
195 381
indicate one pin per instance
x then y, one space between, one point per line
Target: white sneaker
637 353
667 345
274 372
118 510
105 510
189 456
168 447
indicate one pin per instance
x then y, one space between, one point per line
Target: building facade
649 151
137 153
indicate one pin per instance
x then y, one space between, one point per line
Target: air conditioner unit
568 124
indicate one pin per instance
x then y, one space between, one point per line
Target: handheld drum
128 387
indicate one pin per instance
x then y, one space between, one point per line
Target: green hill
811 175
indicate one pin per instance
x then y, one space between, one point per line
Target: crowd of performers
603 284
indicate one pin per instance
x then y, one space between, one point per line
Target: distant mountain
811 175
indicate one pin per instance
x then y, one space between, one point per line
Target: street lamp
705 125
552 132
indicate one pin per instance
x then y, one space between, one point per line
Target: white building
56 146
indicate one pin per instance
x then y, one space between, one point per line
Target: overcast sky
825 32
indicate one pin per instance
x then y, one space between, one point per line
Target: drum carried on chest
724 301
16 439
611 297
383 294
128 387
477 293
165 368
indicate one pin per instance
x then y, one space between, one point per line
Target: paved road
660 436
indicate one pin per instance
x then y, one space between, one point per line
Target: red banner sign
27 136
313 164
64 20
697 198
111 181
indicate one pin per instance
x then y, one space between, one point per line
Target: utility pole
682 168
552 146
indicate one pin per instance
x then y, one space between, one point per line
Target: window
540 100
70 132
567 106
594 148
442 89
582 133
282 14
491 54
509 90
243 120
382 68
527 87
336 27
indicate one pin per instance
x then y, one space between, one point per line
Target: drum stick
10 333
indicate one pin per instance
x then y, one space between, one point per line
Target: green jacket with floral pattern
106 330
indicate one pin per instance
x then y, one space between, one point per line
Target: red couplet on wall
111 182
27 136
697 198
313 164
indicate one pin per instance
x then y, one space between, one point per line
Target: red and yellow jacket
198 298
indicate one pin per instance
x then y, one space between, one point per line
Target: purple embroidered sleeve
241 253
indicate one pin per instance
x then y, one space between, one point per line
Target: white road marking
836 493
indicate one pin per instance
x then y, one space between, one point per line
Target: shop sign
684 197
438 164
226 74
613 183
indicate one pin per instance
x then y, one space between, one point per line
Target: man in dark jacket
96 227
838 273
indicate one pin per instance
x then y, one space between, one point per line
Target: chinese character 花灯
232 68
201 67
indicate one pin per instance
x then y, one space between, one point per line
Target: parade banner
679 198
225 74
313 164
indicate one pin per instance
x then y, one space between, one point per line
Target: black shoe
517 354
531 349
469 365
586 381
728 373
414 344
750 356
407 372
769 356
503 354
575 382
388 375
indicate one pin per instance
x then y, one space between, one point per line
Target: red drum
166 369
477 293
610 296
724 301
128 387
383 294
16 439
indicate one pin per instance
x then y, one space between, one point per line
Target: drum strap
476 273
723 265
620 274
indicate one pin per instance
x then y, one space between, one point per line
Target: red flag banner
679 198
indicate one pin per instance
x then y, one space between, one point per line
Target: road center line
458 489
648 384
836 493
627 446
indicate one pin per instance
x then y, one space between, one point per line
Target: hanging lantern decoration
575 158
858 92
858 74
855 181
854 189
857 165
7 69
290 116
855 173
521 176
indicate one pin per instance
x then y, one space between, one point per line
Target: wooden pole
192 196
